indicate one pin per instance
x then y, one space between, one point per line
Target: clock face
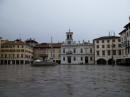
69 42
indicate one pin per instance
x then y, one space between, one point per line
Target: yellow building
15 52
52 50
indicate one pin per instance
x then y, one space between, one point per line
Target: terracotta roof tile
122 31
107 37
30 40
48 45
14 43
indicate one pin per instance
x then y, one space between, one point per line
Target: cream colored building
15 52
125 41
107 50
52 50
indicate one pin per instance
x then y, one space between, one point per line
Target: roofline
127 25
106 37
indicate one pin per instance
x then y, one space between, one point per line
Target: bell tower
69 37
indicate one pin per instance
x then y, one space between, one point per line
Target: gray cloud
41 19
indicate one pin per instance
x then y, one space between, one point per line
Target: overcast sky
41 19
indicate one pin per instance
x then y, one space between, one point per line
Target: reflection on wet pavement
64 81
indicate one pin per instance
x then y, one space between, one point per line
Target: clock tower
69 37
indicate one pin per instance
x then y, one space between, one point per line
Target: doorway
86 59
69 59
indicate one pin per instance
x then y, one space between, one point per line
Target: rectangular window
113 40
98 53
114 52
53 55
5 55
13 55
74 50
2 46
90 50
21 55
103 53
22 50
114 45
1 55
81 50
108 52
108 46
97 46
59 55
119 45
81 58
119 52
63 58
17 55
91 58
103 46
18 50
119 40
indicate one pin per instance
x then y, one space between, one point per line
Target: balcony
69 52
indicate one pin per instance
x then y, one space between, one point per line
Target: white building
76 53
125 41
107 50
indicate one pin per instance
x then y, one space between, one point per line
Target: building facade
31 42
107 50
125 42
52 50
76 53
15 52
0 42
